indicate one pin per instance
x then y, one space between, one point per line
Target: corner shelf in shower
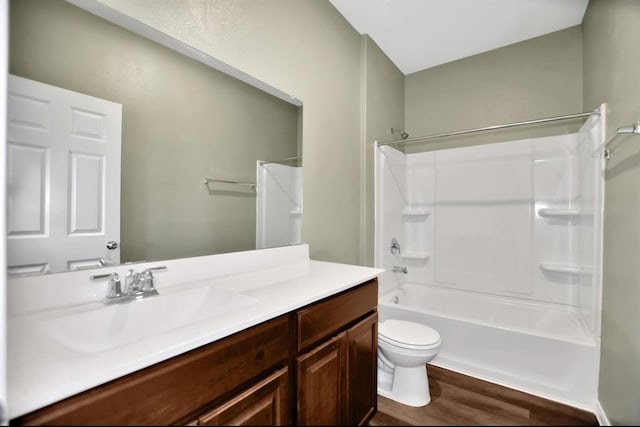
415 213
554 267
562 213
415 255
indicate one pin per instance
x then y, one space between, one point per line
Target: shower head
403 134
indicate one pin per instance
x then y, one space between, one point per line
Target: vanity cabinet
183 388
314 365
336 364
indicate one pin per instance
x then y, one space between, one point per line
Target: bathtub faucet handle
395 246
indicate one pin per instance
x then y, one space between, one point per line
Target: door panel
63 177
363 370
322 389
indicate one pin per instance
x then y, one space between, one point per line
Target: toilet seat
406 334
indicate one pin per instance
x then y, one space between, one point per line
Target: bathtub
535 348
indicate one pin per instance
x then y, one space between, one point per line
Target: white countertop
40 373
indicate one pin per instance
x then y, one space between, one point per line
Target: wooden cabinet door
321 383
264 404
362 388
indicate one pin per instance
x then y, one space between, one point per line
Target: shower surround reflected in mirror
182 121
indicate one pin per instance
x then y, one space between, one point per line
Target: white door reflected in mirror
63 148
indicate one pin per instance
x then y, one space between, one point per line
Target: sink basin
110 326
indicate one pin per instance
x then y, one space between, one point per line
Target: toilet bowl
404 349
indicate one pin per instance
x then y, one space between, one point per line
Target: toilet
404 349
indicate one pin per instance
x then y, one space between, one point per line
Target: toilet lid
411 333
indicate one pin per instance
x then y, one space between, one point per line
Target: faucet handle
147 279
115 286
395 246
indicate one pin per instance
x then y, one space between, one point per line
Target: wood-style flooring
460 400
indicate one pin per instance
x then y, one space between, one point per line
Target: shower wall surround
278 205
517 220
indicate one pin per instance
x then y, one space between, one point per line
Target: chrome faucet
133 283
395 249
400 269
138 285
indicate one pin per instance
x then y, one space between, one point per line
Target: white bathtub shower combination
502 248
278 204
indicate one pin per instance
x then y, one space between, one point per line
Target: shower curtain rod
605 152
507 125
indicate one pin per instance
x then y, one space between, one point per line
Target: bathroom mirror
197 144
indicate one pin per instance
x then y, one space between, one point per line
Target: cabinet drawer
263 404
171 390
324 318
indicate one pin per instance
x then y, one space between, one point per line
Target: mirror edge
127 22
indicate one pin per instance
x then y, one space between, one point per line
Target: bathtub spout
398 269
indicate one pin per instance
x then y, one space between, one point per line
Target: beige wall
182 121
536 78
304 48
383 105
611 31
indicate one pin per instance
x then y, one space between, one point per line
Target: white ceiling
419 34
